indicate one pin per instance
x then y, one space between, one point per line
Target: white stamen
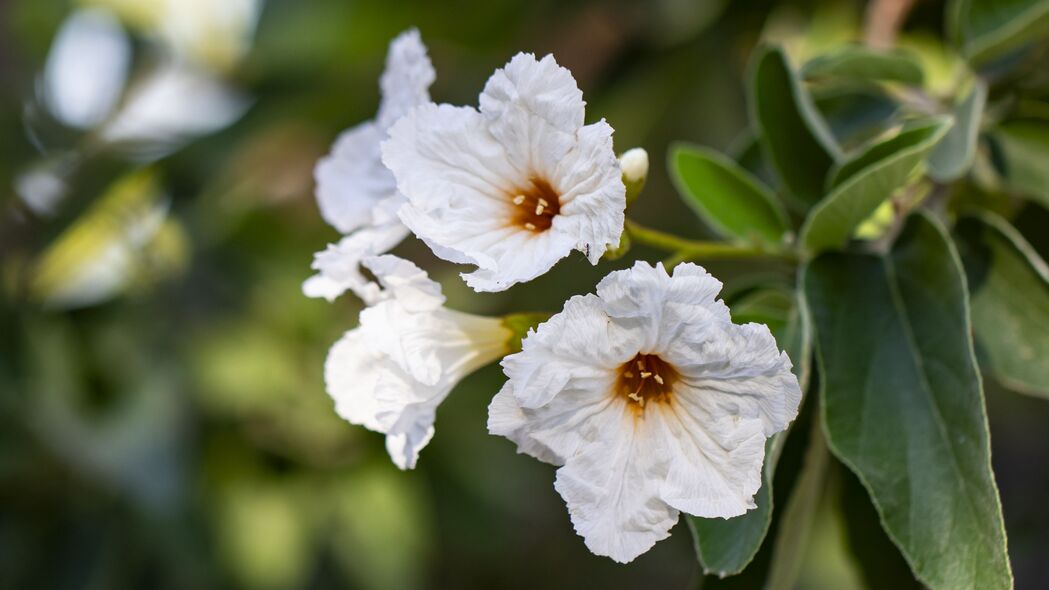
538 209
530 226
645 374
659 379
628 374
640 366
544 202
519 199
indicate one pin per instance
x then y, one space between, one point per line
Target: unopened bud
634 163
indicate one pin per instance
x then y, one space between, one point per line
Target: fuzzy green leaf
953 156
865 182
1025 151
859 63
986 29
903 402
791 130
1009 283
726 196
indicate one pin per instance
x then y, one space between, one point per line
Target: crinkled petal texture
355 191
627 469
390 373
461 170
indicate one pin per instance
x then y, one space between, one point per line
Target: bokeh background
163 420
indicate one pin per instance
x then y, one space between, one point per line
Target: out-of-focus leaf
382 528
985 29
903 402
793 134
265 534
1025 150
799 514
1009 284
726 546
725 195
863 183
122 240
860 63
953 156
856 113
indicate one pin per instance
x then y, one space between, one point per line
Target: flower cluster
646 395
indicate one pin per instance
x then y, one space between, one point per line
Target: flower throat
535 206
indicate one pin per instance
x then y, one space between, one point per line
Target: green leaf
799 515
726 546
1025 150
1009 284
725 195
953 156
903 403
795 137
857 63
986 29
863 183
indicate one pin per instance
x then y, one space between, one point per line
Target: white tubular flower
355 191
390 373
514 187
651 401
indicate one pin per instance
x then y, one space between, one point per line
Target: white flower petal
578 347
406 81
86 68
612 484
593 196
405 282
351 180
339 268
534 109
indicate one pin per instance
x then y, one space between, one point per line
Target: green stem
684 249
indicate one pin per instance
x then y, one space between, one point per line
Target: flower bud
634 163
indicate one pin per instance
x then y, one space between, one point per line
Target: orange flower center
535 205
646 379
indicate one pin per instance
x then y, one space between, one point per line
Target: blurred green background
163 420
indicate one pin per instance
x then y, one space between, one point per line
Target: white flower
390 373
355 191
514 187
651 401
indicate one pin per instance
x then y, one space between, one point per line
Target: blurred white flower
214 34
514 187
86 68
651 401
174 103
355 191
390 373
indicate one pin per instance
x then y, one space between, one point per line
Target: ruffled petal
534 109
352 180
406 81
593 196
405 282
612 484
339 268
577 347
715 467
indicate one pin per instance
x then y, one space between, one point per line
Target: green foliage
865 182
903 405
1025 150
796 139
986 29
725 195
856 63
953 156
1009 284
